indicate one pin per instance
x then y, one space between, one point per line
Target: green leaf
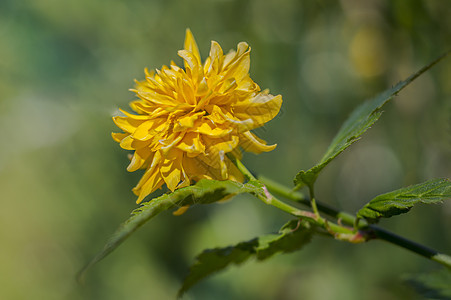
402 200
360 120
203 192
435 285
213 260
291 237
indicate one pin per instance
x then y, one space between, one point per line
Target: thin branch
370 231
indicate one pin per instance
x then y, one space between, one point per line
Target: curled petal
250 142
241 125
241 48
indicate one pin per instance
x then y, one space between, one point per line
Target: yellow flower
188 119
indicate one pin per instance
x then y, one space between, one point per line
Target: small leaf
203 192
213 260
360 120
291 237
435 285
402 200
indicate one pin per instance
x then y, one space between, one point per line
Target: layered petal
261 108
171 169
192 144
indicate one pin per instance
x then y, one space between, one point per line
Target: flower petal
139 158
126 143
210 129
213 65
154 182
189 59
143 131
137 144
251 143
191 144
225 144
233 172
185 91
261 108
191 45
127 124
205 166
167 144
151 179
240 68
216 51
118 137
187 121
171 170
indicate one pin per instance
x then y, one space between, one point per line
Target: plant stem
244 170
288 193
271 200
422 250
313 201
308 216
372 231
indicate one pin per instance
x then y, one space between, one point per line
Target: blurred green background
66 67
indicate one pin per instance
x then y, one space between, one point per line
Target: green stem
308 216
370 231
288 193
271 200
244 170
313 201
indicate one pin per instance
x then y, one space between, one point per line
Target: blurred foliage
65 68
432 285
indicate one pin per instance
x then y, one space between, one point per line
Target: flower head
188 119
